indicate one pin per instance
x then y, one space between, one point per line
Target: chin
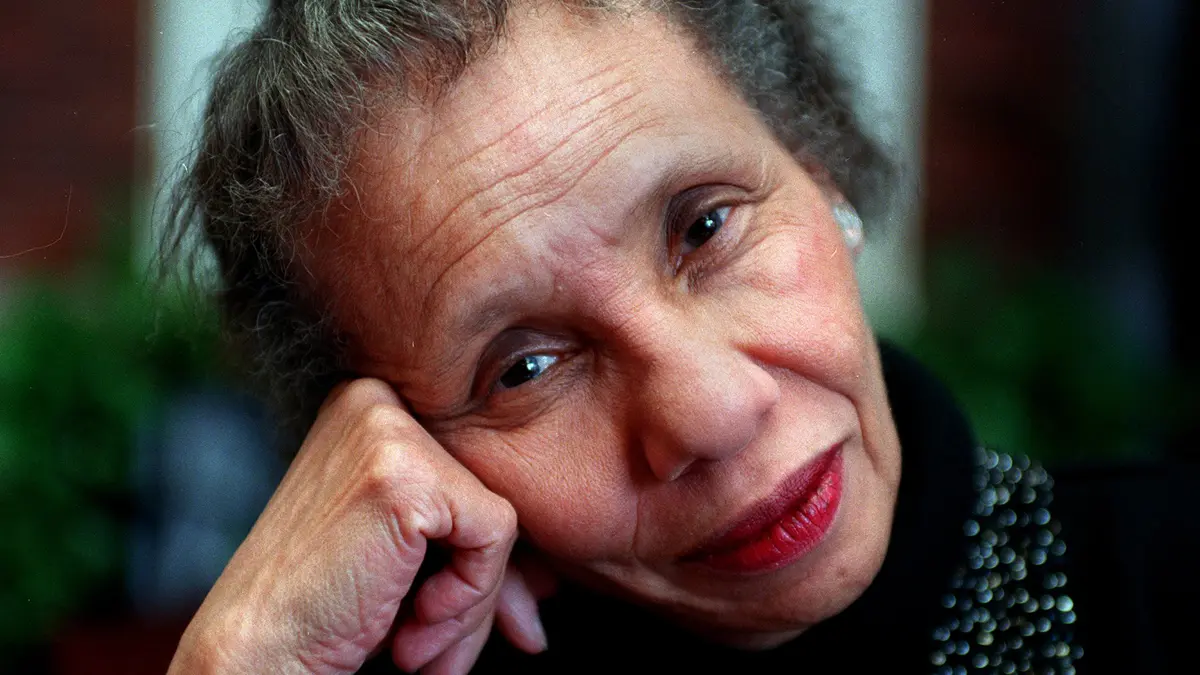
765 611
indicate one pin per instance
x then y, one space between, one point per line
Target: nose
701 400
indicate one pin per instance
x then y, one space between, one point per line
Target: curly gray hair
287 101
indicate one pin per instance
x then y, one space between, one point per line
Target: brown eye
526 369
704 228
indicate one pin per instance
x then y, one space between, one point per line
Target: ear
844 213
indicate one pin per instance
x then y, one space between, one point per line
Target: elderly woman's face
610 294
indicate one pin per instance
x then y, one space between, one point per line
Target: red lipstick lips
782 528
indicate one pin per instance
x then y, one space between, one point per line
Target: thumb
517 613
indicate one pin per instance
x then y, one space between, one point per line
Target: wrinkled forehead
558 85
565 110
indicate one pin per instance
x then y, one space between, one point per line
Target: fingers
351 523
465 583
517 613
456 641
461 656
482 534
417 644
453 610
427 496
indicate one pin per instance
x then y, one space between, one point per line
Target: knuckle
379 478
506 518
366 390
393 472
385 420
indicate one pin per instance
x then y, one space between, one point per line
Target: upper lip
797 487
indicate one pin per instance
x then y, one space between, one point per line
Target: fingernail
538 633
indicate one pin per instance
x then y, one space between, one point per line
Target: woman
574 280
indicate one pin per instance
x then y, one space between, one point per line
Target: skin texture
317 584
512 220
540 209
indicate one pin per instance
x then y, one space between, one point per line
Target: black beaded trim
1007 607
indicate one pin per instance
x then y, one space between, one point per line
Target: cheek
566 478
795 298
799 309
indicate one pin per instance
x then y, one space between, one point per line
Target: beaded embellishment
1008 611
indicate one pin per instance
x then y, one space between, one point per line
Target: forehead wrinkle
477 98
526 175
442 128
427 138
532 188
474 319
503 147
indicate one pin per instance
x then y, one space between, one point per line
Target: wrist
194 655
227 648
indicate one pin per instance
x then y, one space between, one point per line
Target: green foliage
1038 366
83 363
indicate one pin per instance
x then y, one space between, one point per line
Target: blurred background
1035 257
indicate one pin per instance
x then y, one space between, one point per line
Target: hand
317 585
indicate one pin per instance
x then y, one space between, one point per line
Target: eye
527 369
703 228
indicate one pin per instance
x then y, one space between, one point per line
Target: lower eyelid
516 408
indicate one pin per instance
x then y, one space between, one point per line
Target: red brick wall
67 114
996 142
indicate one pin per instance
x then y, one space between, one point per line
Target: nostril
678 470
668 459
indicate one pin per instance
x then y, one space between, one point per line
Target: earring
851 223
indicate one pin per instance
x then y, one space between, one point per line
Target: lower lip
791 537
